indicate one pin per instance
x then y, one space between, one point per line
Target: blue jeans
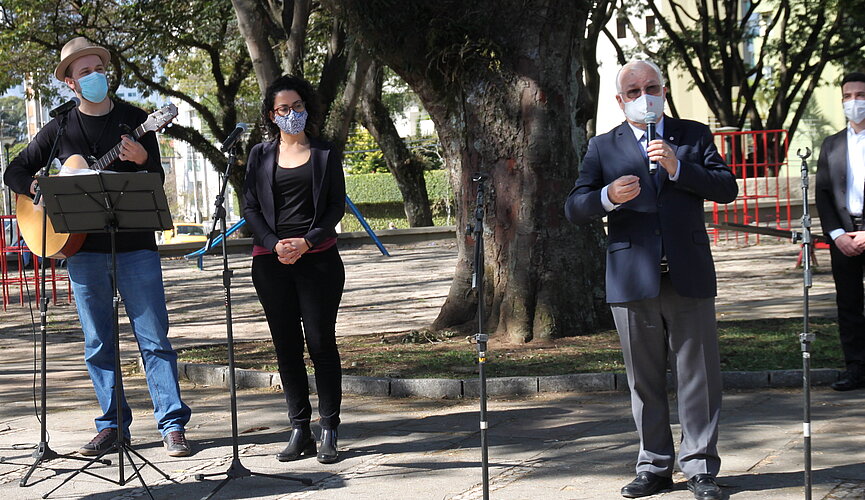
139 281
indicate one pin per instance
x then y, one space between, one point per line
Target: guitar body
30 216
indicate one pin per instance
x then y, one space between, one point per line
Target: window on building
650 25
621 28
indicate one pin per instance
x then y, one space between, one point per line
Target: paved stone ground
556 446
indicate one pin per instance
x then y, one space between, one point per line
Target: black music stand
109 202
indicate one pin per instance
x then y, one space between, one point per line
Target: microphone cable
34 332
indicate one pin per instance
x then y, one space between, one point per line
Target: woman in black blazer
293 197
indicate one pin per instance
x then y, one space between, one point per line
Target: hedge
382 188
381 204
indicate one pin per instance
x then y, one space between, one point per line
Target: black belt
858 222
665 267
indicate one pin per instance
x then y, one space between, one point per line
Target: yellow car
184 232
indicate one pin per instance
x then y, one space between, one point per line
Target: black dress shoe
327 453
849 381
704 487
646 484
300 443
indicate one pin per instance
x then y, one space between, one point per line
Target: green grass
754 345
773 344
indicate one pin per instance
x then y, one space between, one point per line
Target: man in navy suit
839 197
660 277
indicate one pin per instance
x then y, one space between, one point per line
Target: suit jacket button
657 232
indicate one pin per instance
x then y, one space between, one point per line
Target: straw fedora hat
75 48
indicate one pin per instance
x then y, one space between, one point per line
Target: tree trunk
501 79
601 13
341 114
407 169
250 20
296 43
336 65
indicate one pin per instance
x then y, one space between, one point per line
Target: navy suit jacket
669 220
831 189
328 193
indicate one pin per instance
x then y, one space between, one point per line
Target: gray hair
631 64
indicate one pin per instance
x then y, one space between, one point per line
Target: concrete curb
443 388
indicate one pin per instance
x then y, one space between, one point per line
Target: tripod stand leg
44 453
129 450
237 470
302 480
79 471
218 487
137 469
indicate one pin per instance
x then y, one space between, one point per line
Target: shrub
380 202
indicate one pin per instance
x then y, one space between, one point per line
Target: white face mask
854 110
636 110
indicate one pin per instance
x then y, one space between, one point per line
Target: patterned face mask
292 123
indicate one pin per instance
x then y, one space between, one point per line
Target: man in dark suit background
660 277
839 197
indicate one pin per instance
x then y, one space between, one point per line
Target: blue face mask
94 87
293 123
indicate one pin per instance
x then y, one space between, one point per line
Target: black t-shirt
92 136
293 200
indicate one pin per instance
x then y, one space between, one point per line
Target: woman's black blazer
328 193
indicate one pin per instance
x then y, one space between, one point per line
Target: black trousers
300 302
850 299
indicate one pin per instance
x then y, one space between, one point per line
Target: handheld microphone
65 107
651 119
233 137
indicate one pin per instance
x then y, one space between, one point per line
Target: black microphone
65 107
651 118
233 137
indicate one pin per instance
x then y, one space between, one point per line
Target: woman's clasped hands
288 250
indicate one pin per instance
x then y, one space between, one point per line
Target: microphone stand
43 452
236 469
806 337
481 338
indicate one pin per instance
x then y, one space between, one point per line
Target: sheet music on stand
87 203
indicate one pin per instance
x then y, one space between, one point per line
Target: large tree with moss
502 81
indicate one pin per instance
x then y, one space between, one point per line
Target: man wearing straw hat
94 127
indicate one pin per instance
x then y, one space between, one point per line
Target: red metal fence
759 161
15 257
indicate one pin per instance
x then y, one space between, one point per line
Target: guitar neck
109 157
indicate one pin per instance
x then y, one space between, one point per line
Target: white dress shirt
640 135
855 175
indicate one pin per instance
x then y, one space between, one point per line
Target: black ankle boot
300 443
327 453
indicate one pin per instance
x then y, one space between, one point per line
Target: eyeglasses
297 106
635 93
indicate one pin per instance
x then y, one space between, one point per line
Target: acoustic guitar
30 218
